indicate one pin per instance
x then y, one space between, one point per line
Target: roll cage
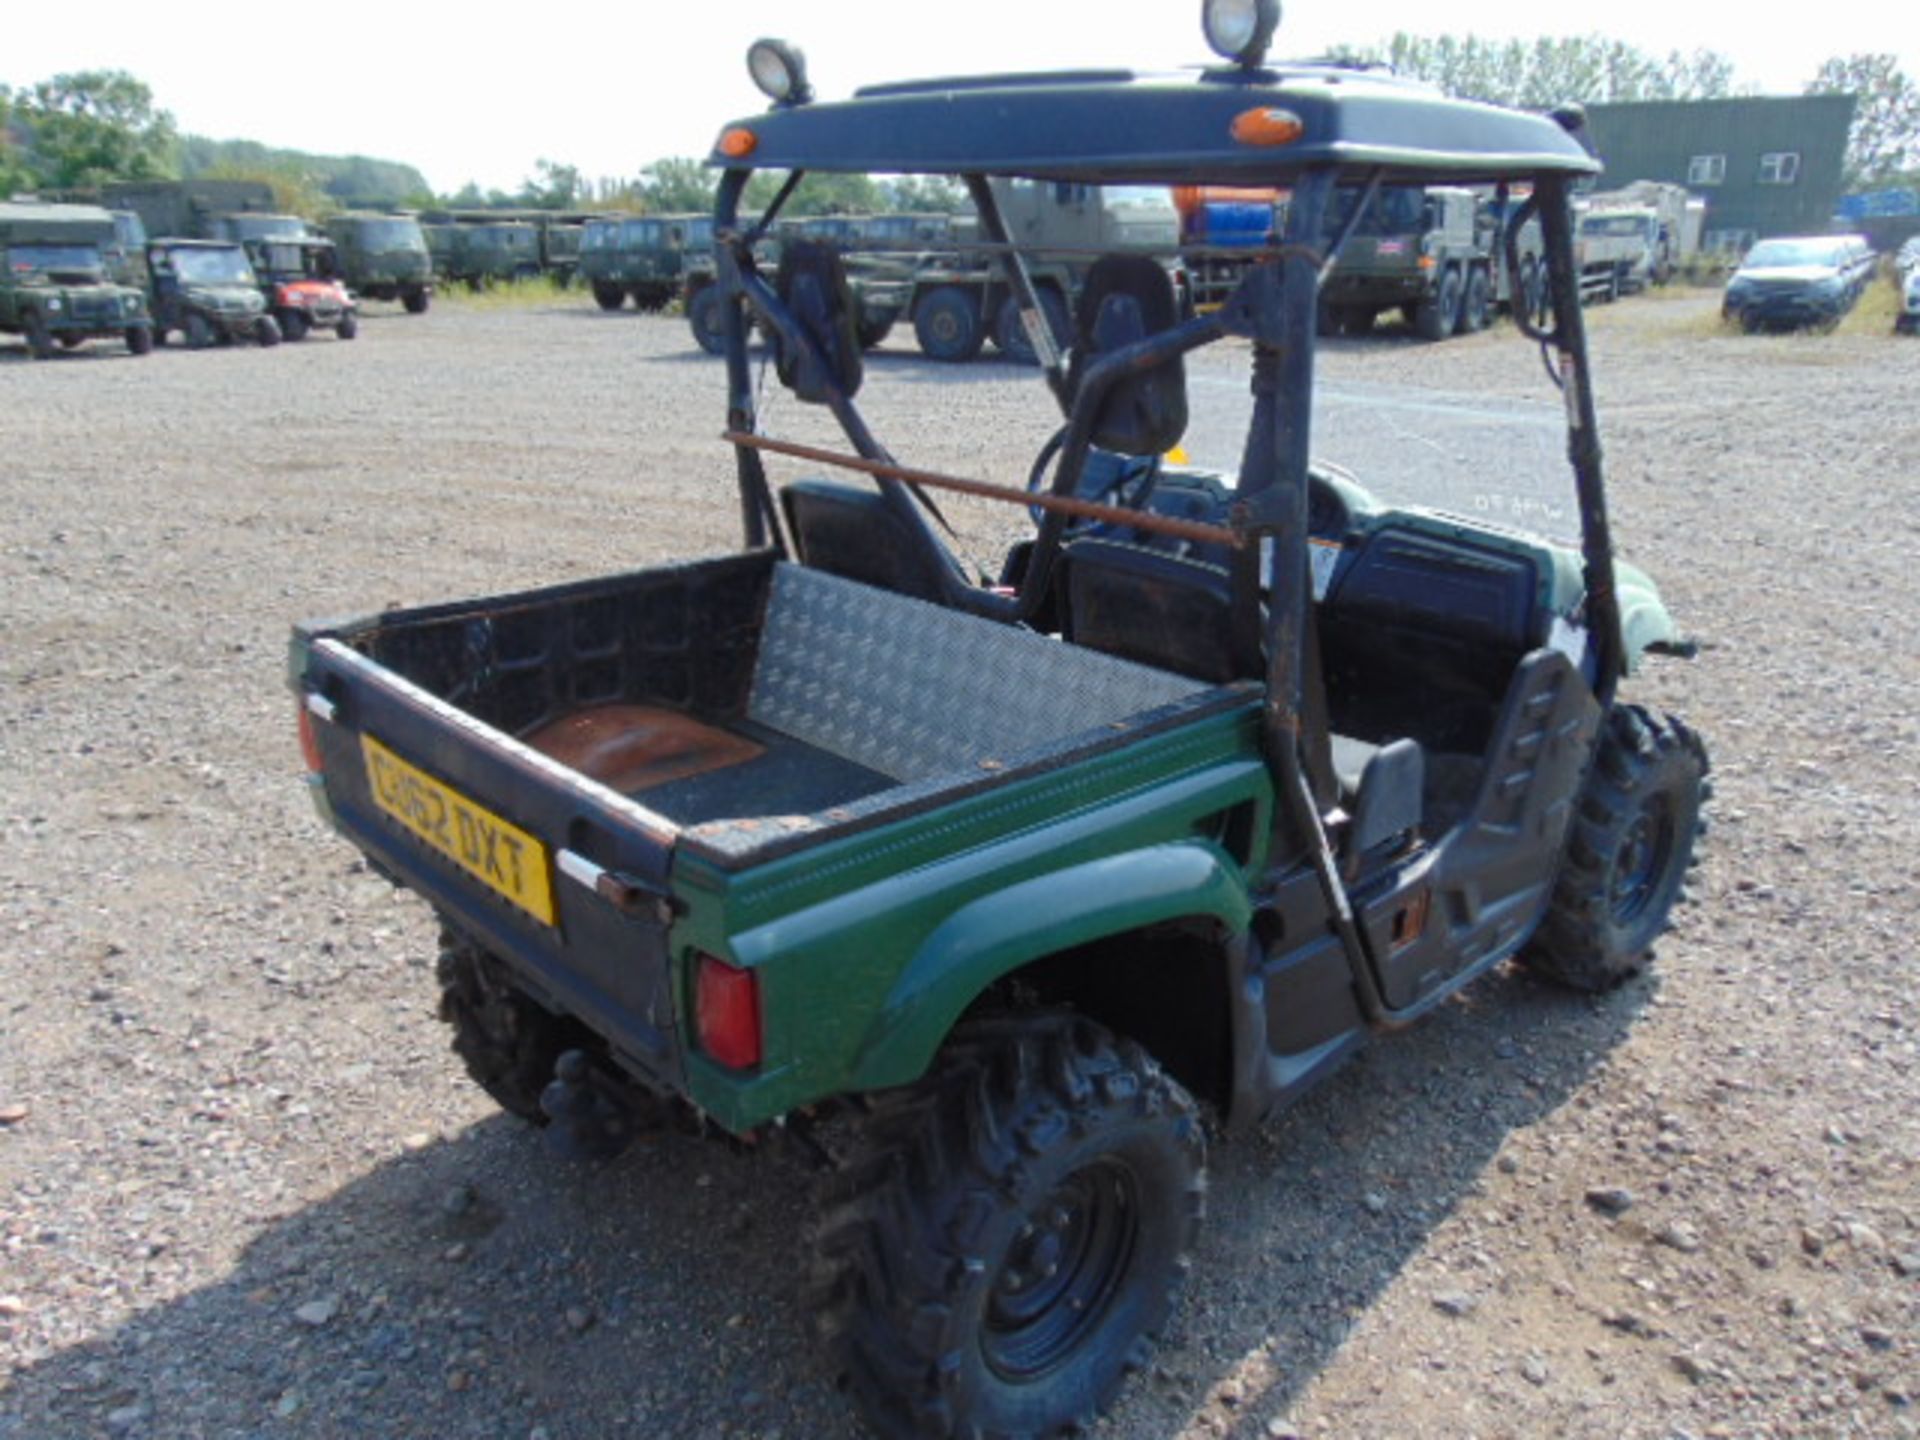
1349 129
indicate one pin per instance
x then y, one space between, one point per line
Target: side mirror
812 281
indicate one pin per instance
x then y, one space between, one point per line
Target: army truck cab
384 257
986 886
301 281
207 290
54 286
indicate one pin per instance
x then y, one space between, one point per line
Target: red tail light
726 1012
309 743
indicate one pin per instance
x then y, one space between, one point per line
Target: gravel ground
245 1190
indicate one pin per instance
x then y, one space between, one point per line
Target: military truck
54 288
202 209
301 281
643 256
1432 253
384 257
126 253
989 893
206 289
479 248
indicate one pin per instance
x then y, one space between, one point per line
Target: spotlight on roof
780 70
1241 30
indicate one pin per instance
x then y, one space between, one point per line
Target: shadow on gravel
477 1288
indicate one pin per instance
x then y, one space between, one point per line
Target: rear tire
348 327
608 297
199 333
294 327
1010 333
140 340
1435 317
1008 1248
416 301
948 324
873 332
1477 305
1627 854
266 332
508 1042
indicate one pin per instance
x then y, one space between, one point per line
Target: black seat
857 535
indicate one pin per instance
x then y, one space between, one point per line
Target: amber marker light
737 143
1264 125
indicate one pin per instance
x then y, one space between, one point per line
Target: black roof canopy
1117 126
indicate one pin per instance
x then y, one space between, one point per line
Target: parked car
1907 322
1794 282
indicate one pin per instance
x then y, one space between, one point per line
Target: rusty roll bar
1194 530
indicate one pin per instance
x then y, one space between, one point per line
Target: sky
482 92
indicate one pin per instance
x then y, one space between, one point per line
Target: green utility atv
994 892
54 288
206 289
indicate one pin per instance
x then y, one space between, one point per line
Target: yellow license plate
503 857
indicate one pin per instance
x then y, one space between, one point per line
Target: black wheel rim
1068 1261
1641 864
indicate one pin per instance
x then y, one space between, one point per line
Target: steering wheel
1114 491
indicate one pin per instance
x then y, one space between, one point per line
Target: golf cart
981 888
300 278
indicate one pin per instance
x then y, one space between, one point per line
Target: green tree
95 125
1547 72
678 183
1885 139
14 174
554 187
926 194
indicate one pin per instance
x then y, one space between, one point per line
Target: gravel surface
245 1190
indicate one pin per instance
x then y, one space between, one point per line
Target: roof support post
1553 192
758 520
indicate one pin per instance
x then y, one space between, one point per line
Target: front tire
608 297
1478 304
1628 852
948 325
707 317
266 333
39 337
294 327
1009 1248
416 300
348 327
140 340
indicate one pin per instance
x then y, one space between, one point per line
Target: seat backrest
854 533
1145 605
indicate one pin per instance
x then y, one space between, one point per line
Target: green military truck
643 256
480 248
384 257
1433 253
207 290
992 893
54 289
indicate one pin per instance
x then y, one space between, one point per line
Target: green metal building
1765 164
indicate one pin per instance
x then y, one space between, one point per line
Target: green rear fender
997 934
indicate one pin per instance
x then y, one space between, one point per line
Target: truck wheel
707 317
39 338
948 325
199 332
1436 316
1475 308
140 340
872 332
1011 335
608 297
293 326
1627 854
508 1042
348 327
266 332
416 301
1008 1249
